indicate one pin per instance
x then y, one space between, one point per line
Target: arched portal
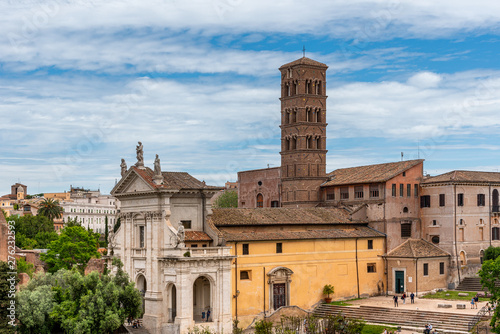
481 256
142 286
202 300
463 258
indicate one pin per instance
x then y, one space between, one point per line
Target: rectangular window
460 199
370 244
401 190
330 196
358 192
426 269
186 224
194 245
481 200
371 268
245 275
275 204
344 193
441 199
408 190
434 222
374 192
141 236
441 268
406 230
393 190
279 247
425 201
245 249
415 189
495 233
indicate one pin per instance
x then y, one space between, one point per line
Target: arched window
260 201
172 303
495 201
463 258
142 286
405 210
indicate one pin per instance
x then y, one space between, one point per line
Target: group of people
133 322
428 329
474 301
207 315
403 298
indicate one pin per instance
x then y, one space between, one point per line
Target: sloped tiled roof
369 174
196 236
304 61
335 232
173 180
464 176
413 248
279 216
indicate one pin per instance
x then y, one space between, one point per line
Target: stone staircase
470 284
441 321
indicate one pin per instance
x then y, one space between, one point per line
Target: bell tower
303 132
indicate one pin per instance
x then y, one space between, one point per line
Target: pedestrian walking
412 298
403 298
472 302
476 300
395 300
208 314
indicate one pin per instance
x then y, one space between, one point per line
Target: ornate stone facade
179 284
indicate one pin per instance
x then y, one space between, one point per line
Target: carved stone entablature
280 275
140 271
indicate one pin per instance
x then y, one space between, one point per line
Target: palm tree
50 208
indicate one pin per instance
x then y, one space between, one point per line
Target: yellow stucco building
285 257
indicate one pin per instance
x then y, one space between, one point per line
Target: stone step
449 322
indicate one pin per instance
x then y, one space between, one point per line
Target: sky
197 82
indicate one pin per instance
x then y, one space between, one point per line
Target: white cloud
425 80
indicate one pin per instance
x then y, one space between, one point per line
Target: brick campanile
303 132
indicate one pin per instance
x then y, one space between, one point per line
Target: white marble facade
179 284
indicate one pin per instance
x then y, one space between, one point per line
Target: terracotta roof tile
369 174
279 216
173 180
304 61
334 232
464 176
417 248
196 236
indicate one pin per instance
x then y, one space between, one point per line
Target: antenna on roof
303 50
402 155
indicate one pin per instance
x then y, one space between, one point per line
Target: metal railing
477 317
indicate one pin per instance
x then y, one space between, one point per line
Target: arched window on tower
318 115
319 88
260 201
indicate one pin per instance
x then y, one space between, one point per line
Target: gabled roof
464 176
279 216
171 180
417 248
333 232
304 61
369 174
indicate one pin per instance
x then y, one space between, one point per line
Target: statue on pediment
140 155
157 166
181 236
123 166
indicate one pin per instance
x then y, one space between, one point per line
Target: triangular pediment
131 183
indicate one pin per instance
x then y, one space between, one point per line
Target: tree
51 209
74 248
33 231
5 297
489 273
72 222
229 199
117 225
106 232
491 253
73 303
